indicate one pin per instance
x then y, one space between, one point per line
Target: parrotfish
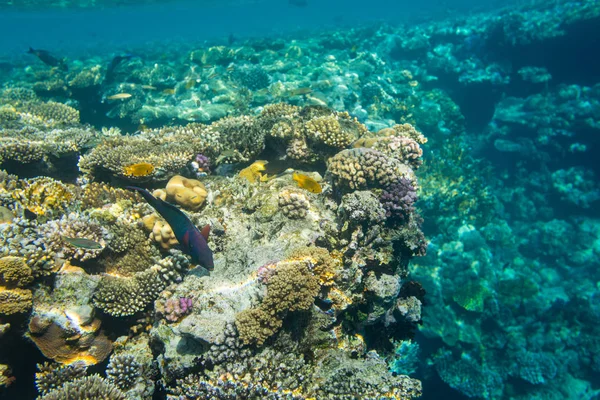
48 58
192 241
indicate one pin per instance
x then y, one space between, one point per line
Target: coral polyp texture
327 214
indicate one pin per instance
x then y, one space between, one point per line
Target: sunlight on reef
364 212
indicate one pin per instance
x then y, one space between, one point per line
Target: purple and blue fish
193 242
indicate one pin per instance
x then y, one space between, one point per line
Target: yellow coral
40 195
15 272
13 301
253 173
188 193
161 232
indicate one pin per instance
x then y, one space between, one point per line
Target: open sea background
509 188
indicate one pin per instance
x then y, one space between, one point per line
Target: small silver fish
83 243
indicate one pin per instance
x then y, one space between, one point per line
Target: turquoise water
345 200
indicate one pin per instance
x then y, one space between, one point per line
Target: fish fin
31 50
205 231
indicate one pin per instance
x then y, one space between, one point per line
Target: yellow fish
307 183
119 96
169 91
253 173
139 169
148 87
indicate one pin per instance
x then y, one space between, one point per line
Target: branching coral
73 225
54 376
123 370
398 200
363 168
89 387
241 138
123 296
293 204
168 150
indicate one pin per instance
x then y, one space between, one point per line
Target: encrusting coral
188 193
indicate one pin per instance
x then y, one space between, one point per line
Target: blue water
195 21
507 94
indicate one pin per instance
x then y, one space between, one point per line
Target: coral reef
89 387
54 376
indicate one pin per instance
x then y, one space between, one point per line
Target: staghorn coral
363 168
89 387
53 376
293 204
123 370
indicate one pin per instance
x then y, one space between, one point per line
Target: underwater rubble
320 163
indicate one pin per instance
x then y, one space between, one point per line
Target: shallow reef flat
388 208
